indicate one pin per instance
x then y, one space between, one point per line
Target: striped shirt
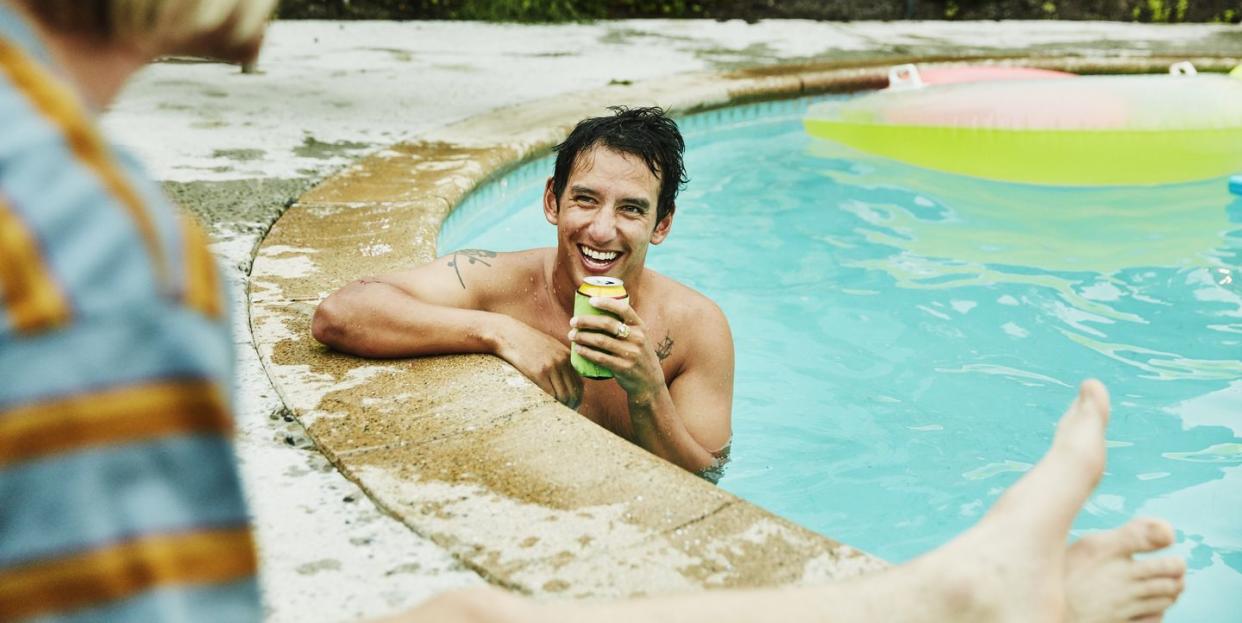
119 495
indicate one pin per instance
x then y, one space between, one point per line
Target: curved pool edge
467 452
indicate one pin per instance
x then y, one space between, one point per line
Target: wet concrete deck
514 486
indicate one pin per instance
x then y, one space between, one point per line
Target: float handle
1184 68
903 77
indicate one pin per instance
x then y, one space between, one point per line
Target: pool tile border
467 452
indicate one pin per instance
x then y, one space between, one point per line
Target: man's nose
603 226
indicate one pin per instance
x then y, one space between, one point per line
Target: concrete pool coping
467 452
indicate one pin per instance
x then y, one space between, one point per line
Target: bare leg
1011 566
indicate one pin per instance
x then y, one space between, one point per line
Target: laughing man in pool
610 198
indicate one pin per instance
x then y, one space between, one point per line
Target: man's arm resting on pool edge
425 311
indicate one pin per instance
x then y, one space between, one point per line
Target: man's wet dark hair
644 132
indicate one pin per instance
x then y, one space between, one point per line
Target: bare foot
1011 565
1105 584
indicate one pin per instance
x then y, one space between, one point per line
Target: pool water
906 340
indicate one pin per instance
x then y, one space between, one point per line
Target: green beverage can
610 287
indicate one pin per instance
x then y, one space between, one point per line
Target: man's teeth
599 256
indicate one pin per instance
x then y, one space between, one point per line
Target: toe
1081 429
1150 608
1138 535
1157 533
1167 567
1153 588
1094 398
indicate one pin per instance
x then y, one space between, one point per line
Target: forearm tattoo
665 348
472 256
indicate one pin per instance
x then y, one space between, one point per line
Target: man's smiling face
606 217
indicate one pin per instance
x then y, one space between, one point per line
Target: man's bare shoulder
492 275
487 266
687 310
696 341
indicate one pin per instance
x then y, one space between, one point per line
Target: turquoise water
906 340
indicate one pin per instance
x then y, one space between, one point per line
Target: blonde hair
230 29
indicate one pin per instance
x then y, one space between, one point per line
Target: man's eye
632 209
584 199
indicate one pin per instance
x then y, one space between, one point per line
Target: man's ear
663 226
551 208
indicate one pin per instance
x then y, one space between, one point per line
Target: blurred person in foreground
119 496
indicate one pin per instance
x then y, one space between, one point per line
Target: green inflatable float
1079 131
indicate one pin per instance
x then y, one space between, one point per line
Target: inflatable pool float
1085 131
910 76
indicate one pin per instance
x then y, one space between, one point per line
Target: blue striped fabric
93 254
99 491
226 603
16 30
126 502
152 194
176 343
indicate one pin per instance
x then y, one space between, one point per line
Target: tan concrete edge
466 451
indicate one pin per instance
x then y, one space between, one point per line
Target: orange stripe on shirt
121 571
33 299
202 291
60 106
113 416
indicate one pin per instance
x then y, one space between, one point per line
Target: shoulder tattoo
665 348
473 256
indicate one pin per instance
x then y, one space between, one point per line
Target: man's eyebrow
582 190
637 202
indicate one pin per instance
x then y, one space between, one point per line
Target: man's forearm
659 430
374 319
